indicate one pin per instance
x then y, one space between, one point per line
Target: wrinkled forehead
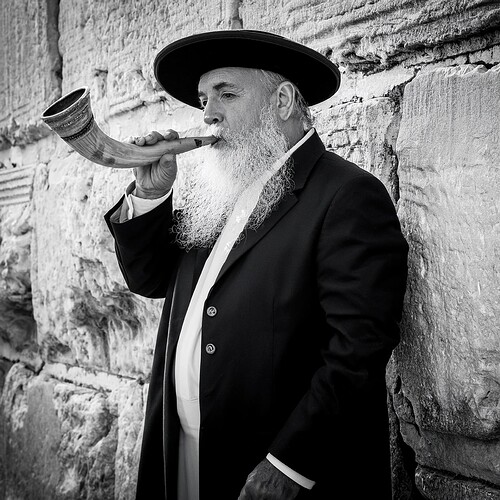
246 78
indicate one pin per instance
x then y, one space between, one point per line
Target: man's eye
227 95
203 103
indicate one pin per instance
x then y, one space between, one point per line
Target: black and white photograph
249 250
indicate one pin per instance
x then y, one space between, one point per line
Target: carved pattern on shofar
15 185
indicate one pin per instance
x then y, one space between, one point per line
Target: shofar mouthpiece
71 118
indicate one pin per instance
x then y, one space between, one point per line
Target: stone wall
418 107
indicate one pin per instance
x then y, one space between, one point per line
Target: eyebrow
220 86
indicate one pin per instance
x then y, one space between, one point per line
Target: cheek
245 114
248 118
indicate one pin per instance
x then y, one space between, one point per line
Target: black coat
307 312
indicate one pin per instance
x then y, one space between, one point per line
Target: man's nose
212 114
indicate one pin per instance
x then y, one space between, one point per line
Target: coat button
210 348
211 311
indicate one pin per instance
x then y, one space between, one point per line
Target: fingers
170 135
152 138
138 140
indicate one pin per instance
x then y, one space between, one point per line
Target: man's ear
285 96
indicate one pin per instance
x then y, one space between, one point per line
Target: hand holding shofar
71 118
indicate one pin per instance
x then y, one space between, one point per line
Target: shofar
71 118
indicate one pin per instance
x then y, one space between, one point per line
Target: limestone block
69 434
491 55
364 133
362 35
5 366
449 377
17 326
436 486
84 312
15 185
130 400
358 87
454 453
402 462
25 158
110 46
30 63
88 440
23 430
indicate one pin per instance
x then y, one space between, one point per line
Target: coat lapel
304 159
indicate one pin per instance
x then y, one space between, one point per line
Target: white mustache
216 131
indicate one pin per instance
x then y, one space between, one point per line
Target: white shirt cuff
295 476
139 206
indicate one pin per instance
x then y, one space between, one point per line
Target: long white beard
213 186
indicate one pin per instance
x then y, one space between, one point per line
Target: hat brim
179 66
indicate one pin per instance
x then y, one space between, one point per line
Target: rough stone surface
30 62
365 133
367 36
131 403
69 434
436 486
109 47
403 463
17 325
15 185
92 320
453 453
5 366
448 149
88 442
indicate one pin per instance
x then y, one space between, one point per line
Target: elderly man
283 277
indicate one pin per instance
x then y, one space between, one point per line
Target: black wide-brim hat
179 66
